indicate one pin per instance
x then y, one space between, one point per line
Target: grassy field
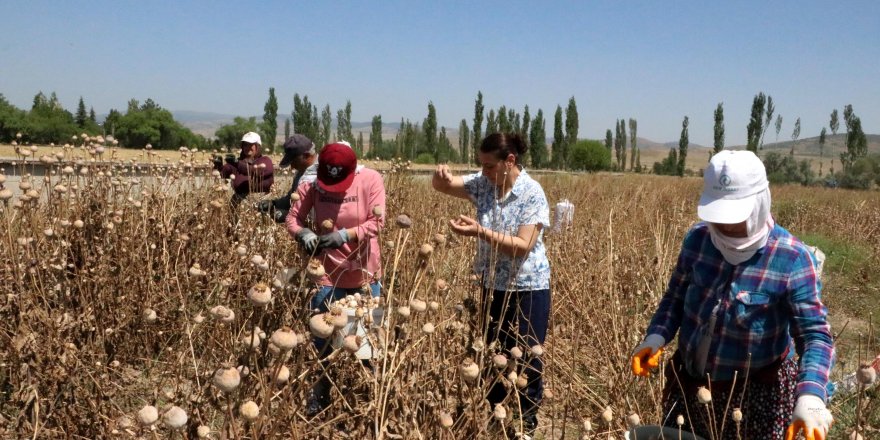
110 283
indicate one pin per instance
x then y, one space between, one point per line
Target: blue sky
655 61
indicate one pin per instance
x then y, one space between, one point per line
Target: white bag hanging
564 215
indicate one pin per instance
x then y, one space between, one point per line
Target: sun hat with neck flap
731 182
337 164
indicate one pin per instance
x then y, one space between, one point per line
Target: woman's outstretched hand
464 225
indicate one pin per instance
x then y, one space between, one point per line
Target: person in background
251 172
511 261
351 198
744 297
300 154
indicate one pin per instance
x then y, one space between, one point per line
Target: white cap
251 138
730 184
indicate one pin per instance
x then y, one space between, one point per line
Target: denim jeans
519 319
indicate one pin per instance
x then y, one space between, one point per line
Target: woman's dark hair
503 144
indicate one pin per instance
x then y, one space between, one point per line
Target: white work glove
811 416
646 356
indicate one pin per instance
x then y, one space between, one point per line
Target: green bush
425 158
864 173
668 166
589 155
785 169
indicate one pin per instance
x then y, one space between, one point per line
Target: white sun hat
730 183
251 138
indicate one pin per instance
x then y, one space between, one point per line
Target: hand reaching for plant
464 225
812 416
646 356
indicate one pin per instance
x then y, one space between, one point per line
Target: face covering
736 250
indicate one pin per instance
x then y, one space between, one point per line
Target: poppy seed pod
320 326
537 350
469 370
500 361
327 225
148 415
439 239
241 250
633 420
428 328
284 338
260 295
337 318
249 410
588 425
704 396
223 314
315 270
516 353
5 194
257 260
351 343
403 221
149 315
434 305
445 419
403 311
608 415
866 374
283 375
227 380
440 284
418 305
522 380
499 413
425 251
737 415
679 420
175 417
378 211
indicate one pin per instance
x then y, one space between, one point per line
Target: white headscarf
759 224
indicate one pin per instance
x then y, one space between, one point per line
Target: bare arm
445 182
517 245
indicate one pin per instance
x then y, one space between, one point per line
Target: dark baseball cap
296 145
336 167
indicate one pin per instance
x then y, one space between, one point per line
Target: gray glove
333 240
308 239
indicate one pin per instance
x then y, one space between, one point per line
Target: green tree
754 129
609 140
376 133
822 136
305 121
571 127
463 140
92 116
719 128
478 123
795 134
590 155
633 148
767 119
326 123
504 124
269 127
151 124
683 146
429 128
668 166
230 135
491 123
359 144
538 141
778 126
286 129
48 121
12 120
558 146
445 152
835 123
81 115
526 121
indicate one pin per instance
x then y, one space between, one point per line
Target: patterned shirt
761 306
525 204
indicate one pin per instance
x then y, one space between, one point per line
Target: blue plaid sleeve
667 318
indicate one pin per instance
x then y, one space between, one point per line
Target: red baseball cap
336 166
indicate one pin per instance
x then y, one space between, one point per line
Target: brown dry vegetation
80 358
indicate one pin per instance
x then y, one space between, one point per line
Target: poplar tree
463 141
326 122
822 136
270 121
622 145
430 130
375 134
768 119
571 128
478 126
286 129
835 123
512 120
633 148
538 140
503 121
683 146
719 128
491 123
558 146
359 145
778 126
92 115
609 140
526 121
754 129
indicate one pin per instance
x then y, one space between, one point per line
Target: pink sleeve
374 190
299 210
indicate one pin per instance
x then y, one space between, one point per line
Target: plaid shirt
762 305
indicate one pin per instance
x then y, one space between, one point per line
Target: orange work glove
810 416
646 356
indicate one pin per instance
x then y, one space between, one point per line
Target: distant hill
834 145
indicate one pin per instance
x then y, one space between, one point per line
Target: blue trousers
519 319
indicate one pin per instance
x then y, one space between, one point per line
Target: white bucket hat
730 183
